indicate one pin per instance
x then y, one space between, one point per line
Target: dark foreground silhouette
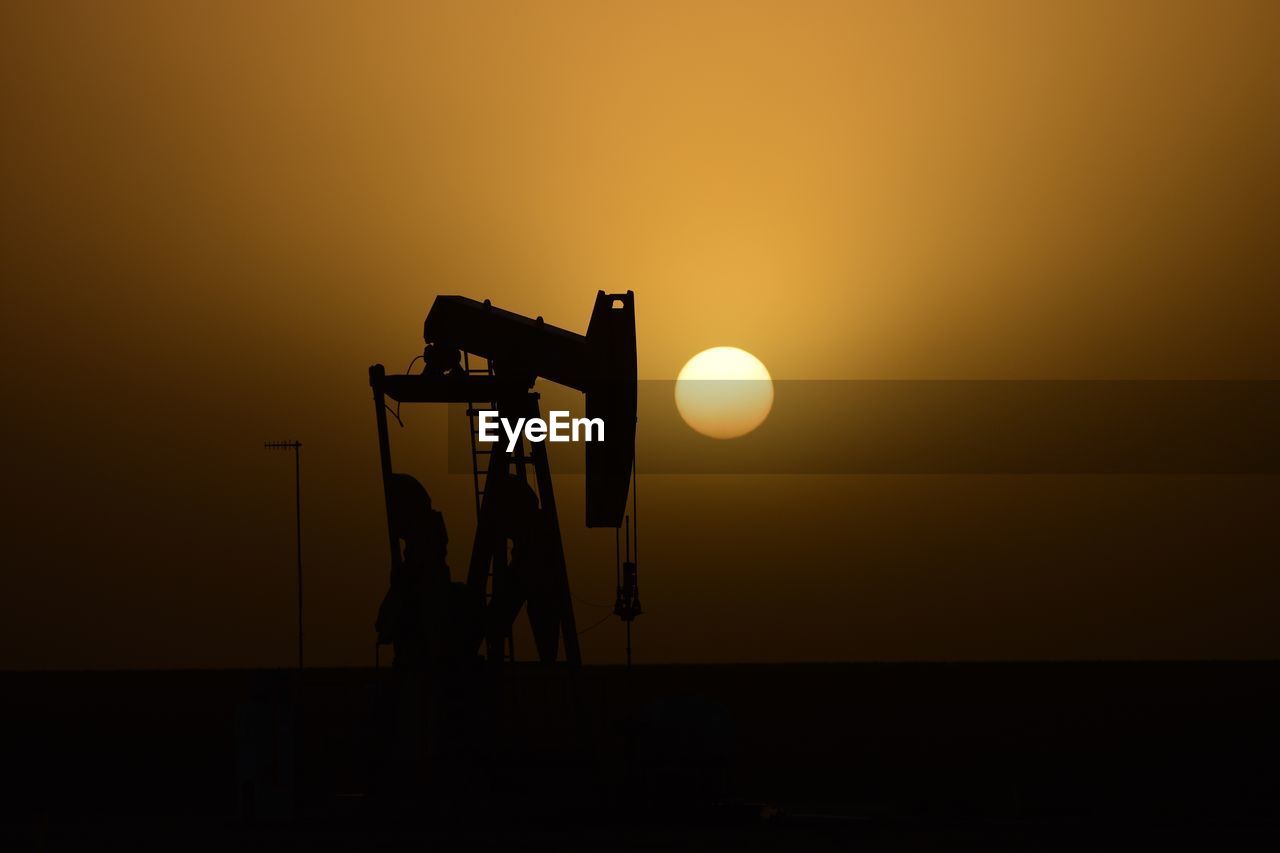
872 756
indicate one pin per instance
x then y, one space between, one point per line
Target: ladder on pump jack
480 475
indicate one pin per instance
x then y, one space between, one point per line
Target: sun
724 392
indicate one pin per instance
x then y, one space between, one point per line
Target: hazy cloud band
956 427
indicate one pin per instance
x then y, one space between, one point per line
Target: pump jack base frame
487 571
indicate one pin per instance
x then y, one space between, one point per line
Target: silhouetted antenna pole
296 447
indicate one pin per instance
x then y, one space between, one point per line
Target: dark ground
796 757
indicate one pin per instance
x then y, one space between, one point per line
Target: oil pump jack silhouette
426 615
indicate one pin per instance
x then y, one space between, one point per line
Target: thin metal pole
297 495
296 447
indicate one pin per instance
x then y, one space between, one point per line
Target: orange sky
217 215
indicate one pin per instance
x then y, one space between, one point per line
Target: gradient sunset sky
217 215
